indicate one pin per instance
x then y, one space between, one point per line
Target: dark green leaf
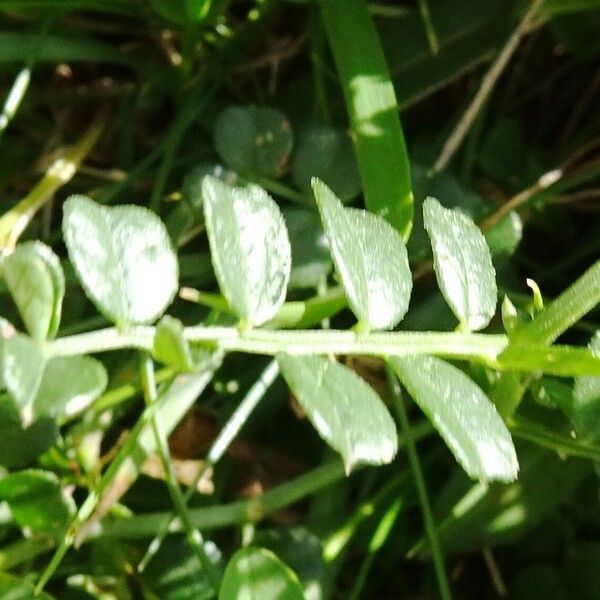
370 258
463 415
170 347
311 260
254 139
256 573
463 265
250 248
585 410
344 409
36 281
13 588
123 258
69 385
37 501
327 153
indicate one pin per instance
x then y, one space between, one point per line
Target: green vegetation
299 299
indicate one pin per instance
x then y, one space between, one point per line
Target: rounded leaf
123 258
250 248
343 408
463 415
463 265
327 153
370 259
36 281
254 139
256 574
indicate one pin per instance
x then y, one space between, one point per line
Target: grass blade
373 110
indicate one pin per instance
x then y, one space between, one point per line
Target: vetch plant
127 267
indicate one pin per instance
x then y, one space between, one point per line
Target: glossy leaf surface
343 408
254 573
370 258
123 258
463 265
250 248
463 415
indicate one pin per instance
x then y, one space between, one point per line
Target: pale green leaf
36 282
343 408
69 385
463 265
254 139
250 248
463 415
257 574
370 258
170 347
21 369
36 501
123 258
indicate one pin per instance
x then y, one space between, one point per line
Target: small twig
487 85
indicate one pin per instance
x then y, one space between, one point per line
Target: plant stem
219 447
193 536
413 458
235 513
487 85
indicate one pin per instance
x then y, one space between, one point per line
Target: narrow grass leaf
69 385
343 408
254 139
123 258
36 281
373 110
463 415
463 265
250 248
370 258
254 573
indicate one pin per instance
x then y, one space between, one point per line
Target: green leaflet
170 347
36 501
327 153
370 258
344 409
68 386
123 258
463 415
463 265
250 249
254 139
36 281
585 409
254 573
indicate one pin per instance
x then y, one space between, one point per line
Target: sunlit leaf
463 415
370 258
250 248
21 369
463 265
343 408
254 139
123 258
37 501
36 281
254 573
69 385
